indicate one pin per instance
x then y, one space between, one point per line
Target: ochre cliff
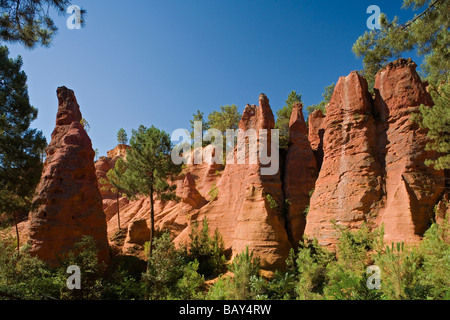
349 187
374 168
361 163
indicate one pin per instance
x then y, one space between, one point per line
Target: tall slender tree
150 168
116 183
122 137
20 146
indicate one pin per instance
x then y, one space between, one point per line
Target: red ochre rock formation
300 174
119 151
241 212
349 183
373 169
372 173
138 232
68 202
412 188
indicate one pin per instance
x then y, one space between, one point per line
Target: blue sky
155 62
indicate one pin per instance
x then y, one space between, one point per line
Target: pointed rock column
260 224
68 202
412 188
242 212
300 174
349 185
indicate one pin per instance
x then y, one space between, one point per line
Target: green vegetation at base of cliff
202 272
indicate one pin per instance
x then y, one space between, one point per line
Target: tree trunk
17 234
152 233
152 223
118 210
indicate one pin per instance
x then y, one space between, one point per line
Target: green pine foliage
227 118
428 36
170 275
84 255
437 121
284 116
20 146
311 261
23 277
199 116
245 269
150 168
122 137
208 251
281 287
346 276
29 23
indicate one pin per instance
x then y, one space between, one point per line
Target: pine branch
420 15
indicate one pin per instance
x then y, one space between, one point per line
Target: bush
435 271
312 261
170 274
245 269
26 277
281 287
209 252
84 256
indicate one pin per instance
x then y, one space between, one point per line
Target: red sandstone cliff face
69 204
102 166
349 185
412 188
241 211
374 171
300 174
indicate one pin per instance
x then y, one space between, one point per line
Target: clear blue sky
155 62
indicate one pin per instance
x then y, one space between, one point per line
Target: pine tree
117 184
150 168
20 146
428 35
227 118
284 116
437 121
122 137
28 22
199 116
